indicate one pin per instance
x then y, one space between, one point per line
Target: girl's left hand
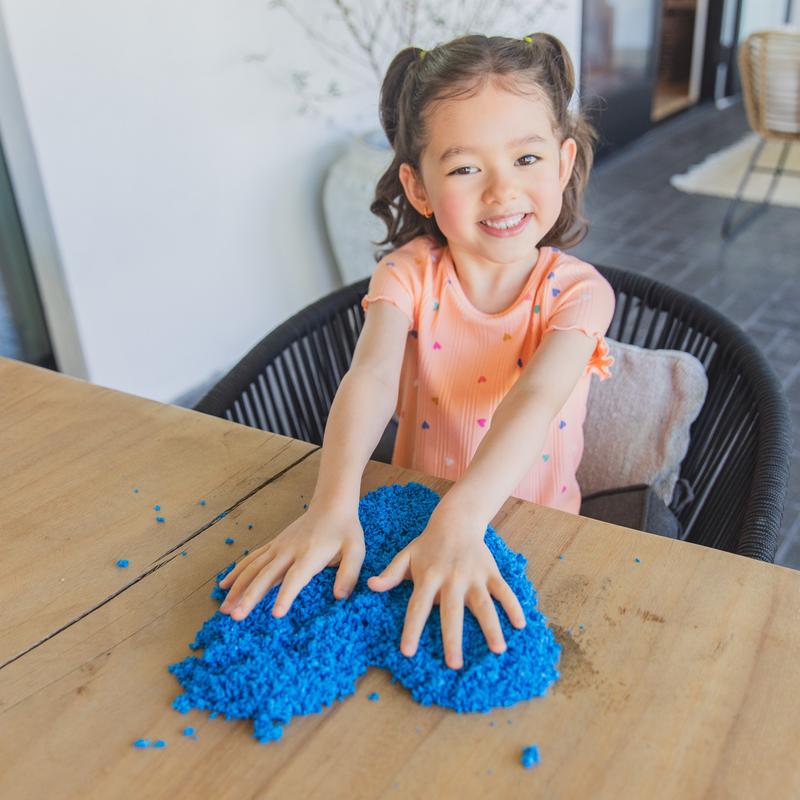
450 565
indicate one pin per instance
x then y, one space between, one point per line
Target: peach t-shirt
460 362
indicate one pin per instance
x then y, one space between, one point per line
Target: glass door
618 66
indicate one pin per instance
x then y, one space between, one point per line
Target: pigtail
558 62
397 75
571 226
397 104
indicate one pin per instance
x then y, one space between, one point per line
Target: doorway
680 47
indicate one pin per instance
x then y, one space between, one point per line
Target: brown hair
460 68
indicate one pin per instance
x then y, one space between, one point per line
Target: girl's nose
500 189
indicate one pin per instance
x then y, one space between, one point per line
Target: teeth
508 222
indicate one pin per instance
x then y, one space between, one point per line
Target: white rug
721 172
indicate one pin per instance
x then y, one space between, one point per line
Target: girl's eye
459 172
529 160
529 156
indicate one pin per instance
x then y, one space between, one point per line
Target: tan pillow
637 422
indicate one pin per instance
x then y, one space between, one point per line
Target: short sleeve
393 282
578 297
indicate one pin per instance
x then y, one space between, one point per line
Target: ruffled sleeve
578 297
394 282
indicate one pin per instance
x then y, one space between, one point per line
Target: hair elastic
528 39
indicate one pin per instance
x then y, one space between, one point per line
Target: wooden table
683 682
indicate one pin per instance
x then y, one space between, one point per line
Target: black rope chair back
737 464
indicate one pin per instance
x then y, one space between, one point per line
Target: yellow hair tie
527 39
422 54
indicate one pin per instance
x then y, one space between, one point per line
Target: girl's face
491 158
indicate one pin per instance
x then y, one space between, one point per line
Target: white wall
182 184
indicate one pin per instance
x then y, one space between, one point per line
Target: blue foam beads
530 756
271 669
229 540
373 696
123 562
160 519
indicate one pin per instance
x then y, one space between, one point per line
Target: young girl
479 332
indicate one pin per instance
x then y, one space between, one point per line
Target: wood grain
684 682
70 457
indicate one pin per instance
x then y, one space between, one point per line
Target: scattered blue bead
159 743
249 526
305 505
161 519
229 540
184 553
123 562
530 756
136 491
638 560
156 508
561 558
142 743
246 551
188 731
581 626
202 502
373 696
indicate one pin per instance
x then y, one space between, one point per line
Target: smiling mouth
507 223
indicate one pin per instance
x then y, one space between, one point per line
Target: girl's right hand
322 537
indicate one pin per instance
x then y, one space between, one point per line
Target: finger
505 595
394 573
231 577
451 610
417 613
348 572
298 575
243 579
270 575
481 605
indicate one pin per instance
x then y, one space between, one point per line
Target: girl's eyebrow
456 150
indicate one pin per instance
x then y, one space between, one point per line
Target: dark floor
639 222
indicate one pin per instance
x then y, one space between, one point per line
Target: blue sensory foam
270 670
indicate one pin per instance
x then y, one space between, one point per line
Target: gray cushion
637 423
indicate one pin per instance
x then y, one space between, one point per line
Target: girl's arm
329 533
364 404
449 562
524 415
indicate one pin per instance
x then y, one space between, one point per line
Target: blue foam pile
270 670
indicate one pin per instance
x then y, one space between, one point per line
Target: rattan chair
769 65
737 464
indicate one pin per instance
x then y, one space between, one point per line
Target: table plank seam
235 505
159 562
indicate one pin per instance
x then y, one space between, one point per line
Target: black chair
737 464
